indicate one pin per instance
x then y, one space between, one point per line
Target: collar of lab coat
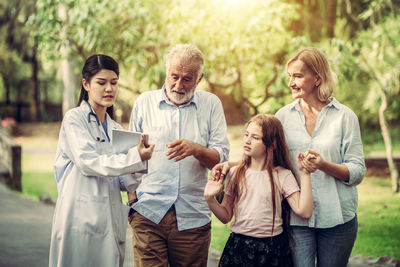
86 108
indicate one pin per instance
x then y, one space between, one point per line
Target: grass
378 212
378 219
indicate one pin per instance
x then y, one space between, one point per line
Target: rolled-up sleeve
218 131
352 150
130 182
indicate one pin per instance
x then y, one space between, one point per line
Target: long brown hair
277 154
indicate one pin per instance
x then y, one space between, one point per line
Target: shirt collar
333 103
85 106
164 99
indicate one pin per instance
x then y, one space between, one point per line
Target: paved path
25 228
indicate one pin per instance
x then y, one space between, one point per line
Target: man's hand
181 149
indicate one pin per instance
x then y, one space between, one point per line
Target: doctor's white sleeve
83 150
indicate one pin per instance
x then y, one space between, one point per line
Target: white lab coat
90 221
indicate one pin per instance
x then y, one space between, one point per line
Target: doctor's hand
182 148
145 150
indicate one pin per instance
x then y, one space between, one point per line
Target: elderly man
171 220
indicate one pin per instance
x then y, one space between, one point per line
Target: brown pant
162 244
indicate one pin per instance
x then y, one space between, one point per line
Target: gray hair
188 54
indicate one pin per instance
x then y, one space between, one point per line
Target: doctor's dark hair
93 65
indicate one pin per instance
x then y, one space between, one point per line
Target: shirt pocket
90 214
156 137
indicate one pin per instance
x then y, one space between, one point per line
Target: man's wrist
132 201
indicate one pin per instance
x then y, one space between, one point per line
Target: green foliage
379 56
373 141
246 45
244 54
352 80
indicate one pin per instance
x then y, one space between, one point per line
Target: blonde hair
187 54
316 61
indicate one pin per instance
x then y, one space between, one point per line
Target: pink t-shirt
253 215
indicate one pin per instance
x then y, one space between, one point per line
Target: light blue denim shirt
336 138
182 183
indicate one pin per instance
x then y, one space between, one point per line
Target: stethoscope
91 113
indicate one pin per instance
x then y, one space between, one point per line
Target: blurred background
246 44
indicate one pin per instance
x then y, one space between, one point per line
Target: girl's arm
339 171
302 202
223 211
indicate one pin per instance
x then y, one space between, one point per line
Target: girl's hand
213 187
304 162
145 150
219 171
313 160
301 158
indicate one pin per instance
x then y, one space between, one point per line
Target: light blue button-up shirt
336 138
180 183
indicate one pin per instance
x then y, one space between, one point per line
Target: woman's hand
219 171
305 162
145 150
313 161
213 188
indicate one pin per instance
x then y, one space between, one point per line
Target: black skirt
241 250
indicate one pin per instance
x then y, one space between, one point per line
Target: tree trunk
7 90
69 96
67 68
315 22
394 173
35 80
331 18
298 25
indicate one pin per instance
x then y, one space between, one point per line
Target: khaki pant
162 244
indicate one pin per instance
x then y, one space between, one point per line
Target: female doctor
89 223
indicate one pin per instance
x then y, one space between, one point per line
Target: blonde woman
329 131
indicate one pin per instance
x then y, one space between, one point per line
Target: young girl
89 223
253 194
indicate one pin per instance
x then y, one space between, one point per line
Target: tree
380 55
129 31
17 38
245 44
